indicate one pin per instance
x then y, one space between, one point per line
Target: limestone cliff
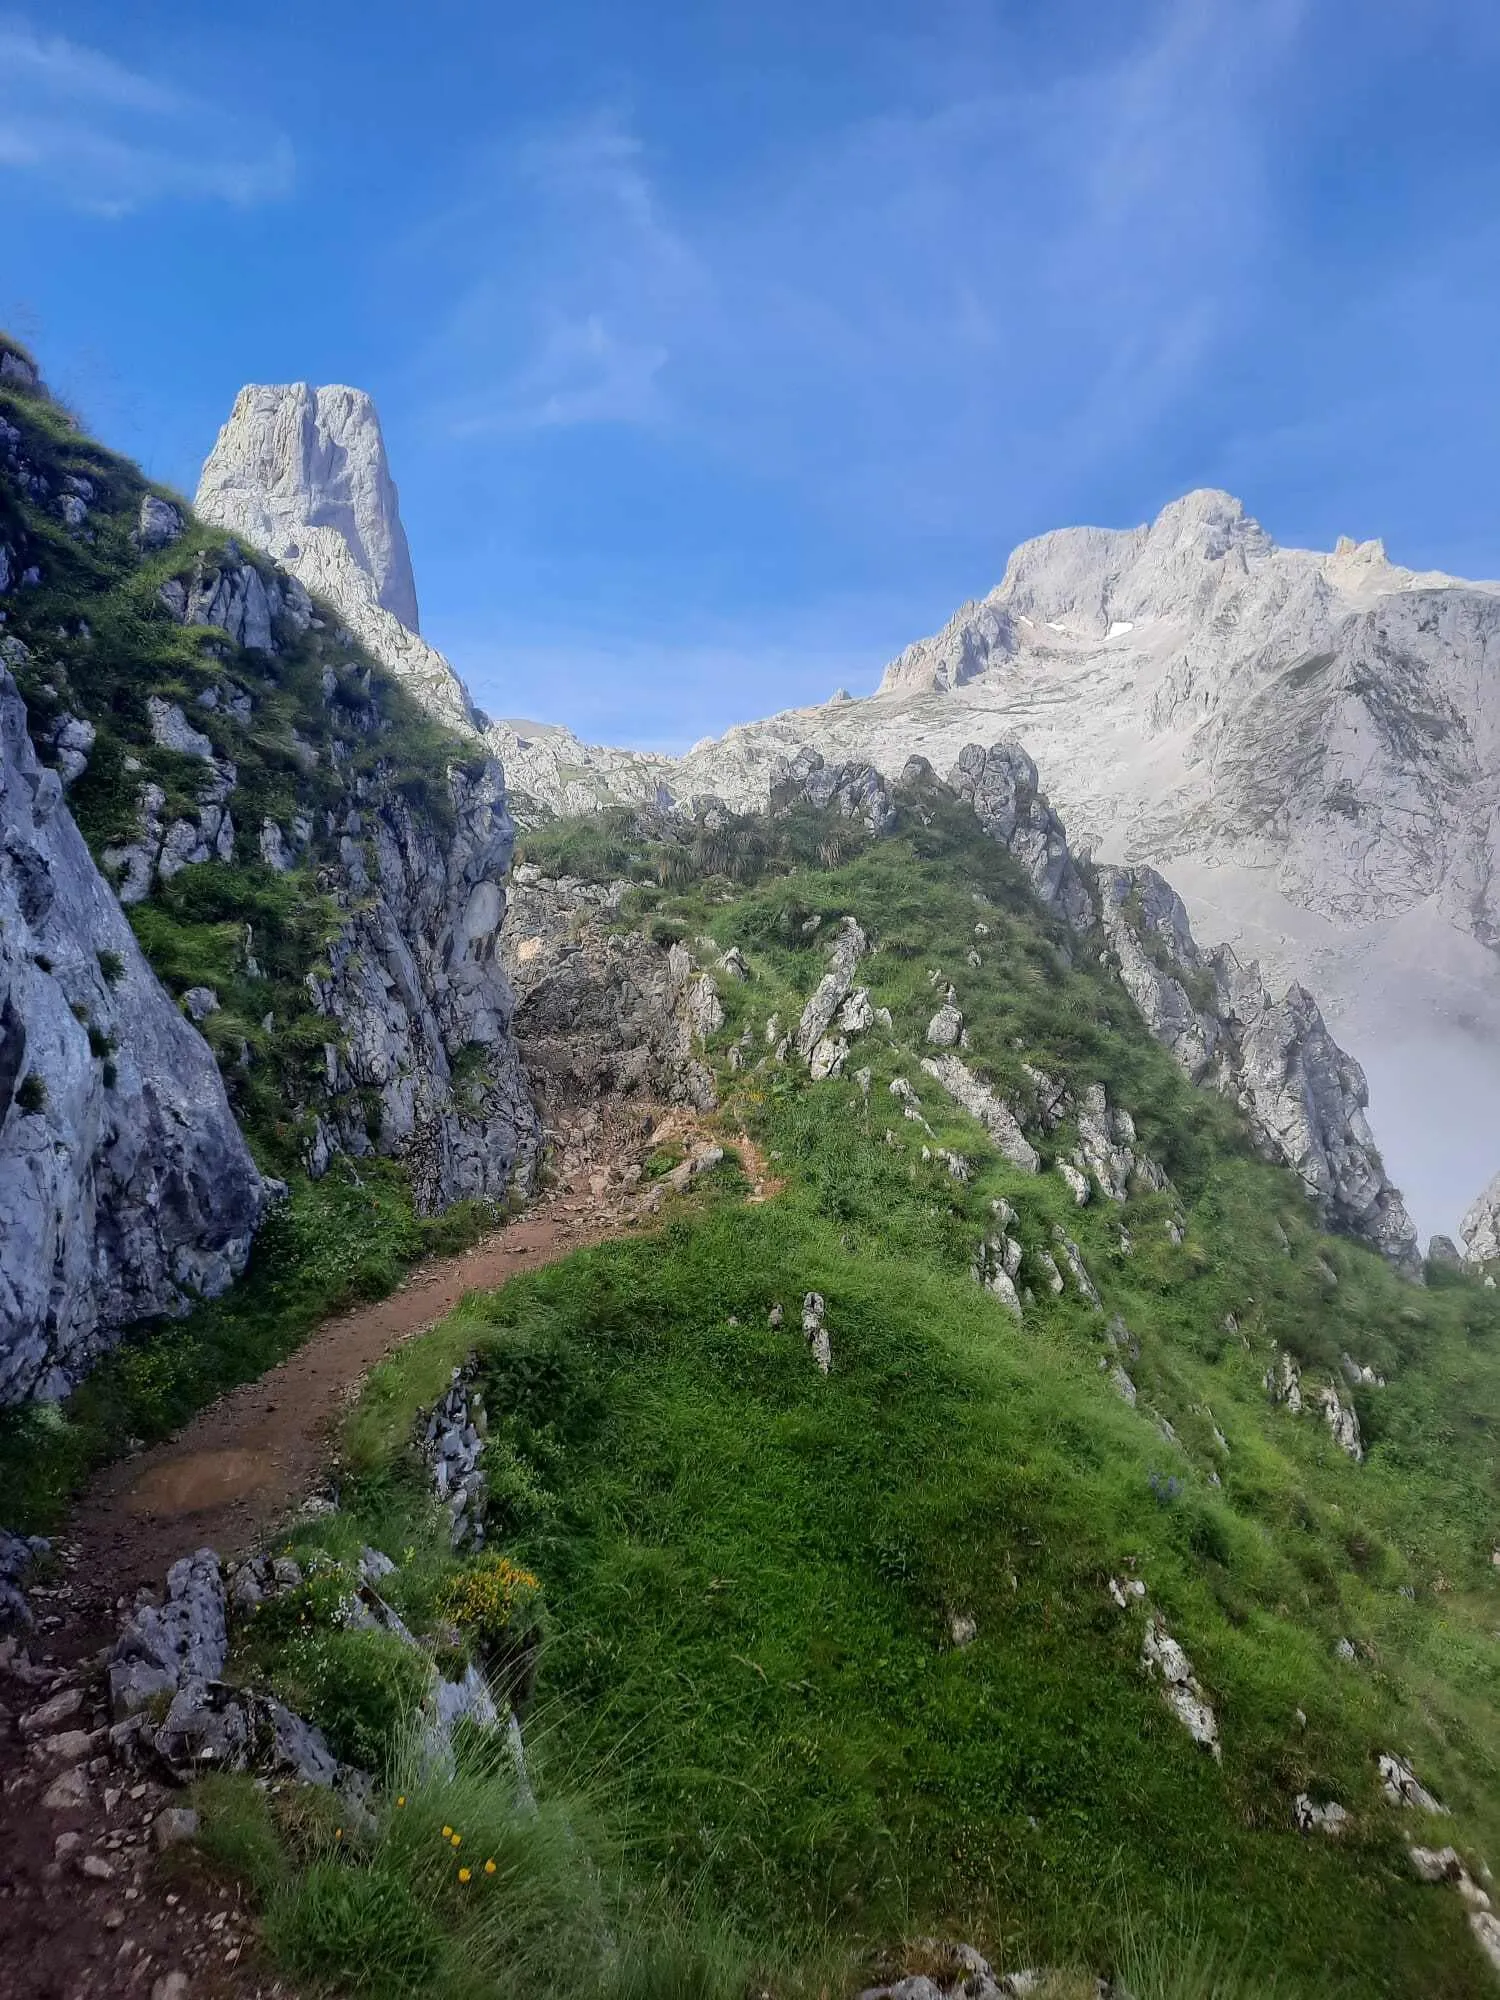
301 473
126 1189
315 869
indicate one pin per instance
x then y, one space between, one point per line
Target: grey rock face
1304 1096
161 1647
1480 1228
853 790
301 473
418 992
832 990
125 1187
237 598
975 1096
159 523
293 457
1002 786
453 1445
17 1553
600 1013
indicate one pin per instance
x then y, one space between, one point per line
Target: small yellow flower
401 1801
463 1874
447 1833
338 1833
489 1867
457 1838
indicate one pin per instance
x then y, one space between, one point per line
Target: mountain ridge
1303 738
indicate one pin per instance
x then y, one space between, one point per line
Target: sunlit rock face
301 473
1309 743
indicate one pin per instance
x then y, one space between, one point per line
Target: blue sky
724 349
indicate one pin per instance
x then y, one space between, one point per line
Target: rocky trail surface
98 1894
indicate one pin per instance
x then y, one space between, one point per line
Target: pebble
96 1868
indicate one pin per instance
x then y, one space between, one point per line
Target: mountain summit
301 473
1307 739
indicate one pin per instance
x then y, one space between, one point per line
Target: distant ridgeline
313 873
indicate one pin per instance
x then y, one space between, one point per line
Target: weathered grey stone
1002 786
973 1095
601 1011
1304 1096
125 1186
158 524
1166 1661
833 989
52 1713
416 984
946 1027
815 1332
161 1647
1399 1783
17 1554
72 740
1310 1818
1480 1228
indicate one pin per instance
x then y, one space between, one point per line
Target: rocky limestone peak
294 457
301 473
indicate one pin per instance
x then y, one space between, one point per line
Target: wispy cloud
996 272
608 284
109 140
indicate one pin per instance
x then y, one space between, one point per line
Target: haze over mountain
1307 739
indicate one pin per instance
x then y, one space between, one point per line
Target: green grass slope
751 1570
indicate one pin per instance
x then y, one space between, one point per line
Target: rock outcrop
1480 1228
296 466
301 473
602 1011
126 1189
1001 784
1304 1096
417 998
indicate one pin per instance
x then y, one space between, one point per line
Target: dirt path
88 1909
237 1467
240 1464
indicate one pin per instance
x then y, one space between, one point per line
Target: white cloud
110 140
605 284
1000 276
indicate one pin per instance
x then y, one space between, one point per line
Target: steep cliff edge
313 868
125 1187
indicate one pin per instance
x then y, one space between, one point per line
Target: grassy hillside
751 1571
